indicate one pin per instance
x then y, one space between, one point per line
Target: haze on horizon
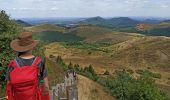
85 8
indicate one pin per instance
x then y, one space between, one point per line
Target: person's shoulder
42 58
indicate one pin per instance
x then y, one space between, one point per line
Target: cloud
164 6
55 8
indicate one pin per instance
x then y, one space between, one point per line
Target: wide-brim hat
24 42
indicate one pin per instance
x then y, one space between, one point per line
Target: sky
85 8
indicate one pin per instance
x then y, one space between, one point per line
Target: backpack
24 84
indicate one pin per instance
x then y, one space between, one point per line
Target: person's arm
44 75
46 83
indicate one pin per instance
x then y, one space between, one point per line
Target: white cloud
54 8
164 6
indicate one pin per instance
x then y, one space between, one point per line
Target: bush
130 71
148 73
106 72
8 31
124 87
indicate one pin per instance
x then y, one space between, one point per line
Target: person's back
24 72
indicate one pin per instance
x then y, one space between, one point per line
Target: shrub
8 31
106 72
124 87
130 71
148 73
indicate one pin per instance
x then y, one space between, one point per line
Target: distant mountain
166 21
123 21
150 21
94 20
22 23
113 22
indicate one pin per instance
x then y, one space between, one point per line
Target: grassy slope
87 89
90 90
89 33
55 73
147 53
132 51
45 27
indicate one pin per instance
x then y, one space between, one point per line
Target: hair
21 53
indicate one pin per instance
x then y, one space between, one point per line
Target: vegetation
86 71
122 85
54 36
125 87
148 73
83 45
8 31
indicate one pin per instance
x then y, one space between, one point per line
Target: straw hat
24 42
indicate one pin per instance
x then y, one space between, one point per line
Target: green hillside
112 22
54 36
45 27
86 33
22 23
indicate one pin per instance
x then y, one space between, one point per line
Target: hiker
26 75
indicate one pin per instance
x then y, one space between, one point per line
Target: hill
87 33
22 23
142 53
166 21
98 34
94 21
123 22
150 21
113 22
45 27
159 29
87 89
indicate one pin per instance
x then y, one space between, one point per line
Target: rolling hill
22 23
143 53
110 50
45 27
113 22
87 33
87 89
159 29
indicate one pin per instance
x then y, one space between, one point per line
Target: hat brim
16 47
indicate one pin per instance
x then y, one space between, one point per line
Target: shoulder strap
36 61
42 69
12 63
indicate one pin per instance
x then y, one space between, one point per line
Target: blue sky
85 8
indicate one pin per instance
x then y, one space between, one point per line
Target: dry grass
89 90
147 53
55 73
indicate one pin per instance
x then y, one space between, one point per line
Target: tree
8 31
77 67
125 87
70 66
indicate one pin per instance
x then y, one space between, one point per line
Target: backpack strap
36 61
42 69
13 64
